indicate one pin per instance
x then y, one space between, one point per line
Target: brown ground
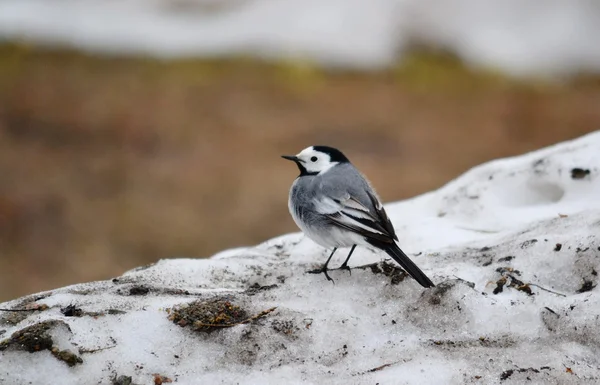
107 164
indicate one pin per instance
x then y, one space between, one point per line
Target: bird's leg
345 264
324 268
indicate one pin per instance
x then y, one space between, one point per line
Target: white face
315 161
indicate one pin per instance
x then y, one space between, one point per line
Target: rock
505 292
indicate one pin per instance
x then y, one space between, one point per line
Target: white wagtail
335 206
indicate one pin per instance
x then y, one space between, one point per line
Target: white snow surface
522 38
502 219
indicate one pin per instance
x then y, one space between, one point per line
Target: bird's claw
346 267
322 270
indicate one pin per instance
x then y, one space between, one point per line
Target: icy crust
512 246
551 38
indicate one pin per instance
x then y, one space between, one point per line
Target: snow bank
512 246
552 37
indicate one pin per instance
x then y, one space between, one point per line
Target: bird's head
316 160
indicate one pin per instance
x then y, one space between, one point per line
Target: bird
335 206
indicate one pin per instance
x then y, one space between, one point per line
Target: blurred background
135 130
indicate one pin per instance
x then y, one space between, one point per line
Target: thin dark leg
345 264
329 259
324 268
327 263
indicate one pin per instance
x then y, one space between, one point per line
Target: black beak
292 158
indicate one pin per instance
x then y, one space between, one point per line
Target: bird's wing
349 213
382 215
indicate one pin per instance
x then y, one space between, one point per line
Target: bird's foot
345 267
322 270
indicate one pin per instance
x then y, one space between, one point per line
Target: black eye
313 159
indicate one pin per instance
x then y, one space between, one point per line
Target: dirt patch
139 290
586 286
508 373
286 327
579 173
508 278
74 311
395 272
22 310
123 380
208 316
479 342
38 337
71 311
257 288
214 314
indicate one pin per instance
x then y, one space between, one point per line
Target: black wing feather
382 237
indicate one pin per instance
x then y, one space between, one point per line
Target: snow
512 246
551 37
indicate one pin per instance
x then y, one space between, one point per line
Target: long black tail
398 255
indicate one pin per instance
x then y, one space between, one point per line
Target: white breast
330 236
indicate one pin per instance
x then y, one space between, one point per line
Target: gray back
337 183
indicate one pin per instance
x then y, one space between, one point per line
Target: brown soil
107 164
